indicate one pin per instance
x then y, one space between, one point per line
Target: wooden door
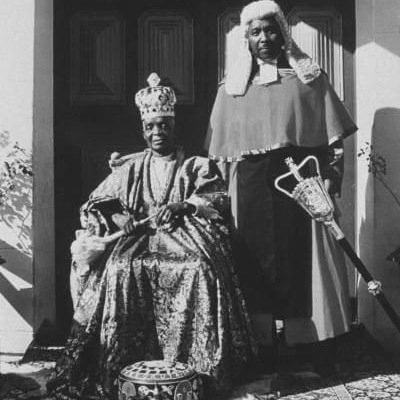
104 50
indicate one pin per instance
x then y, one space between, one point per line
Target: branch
387 187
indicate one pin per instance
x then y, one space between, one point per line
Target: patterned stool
163 380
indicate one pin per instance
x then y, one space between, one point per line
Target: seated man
167 288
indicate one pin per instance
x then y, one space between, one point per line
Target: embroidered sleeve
209 194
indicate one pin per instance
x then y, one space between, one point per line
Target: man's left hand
331 188
173 211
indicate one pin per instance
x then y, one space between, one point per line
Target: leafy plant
15 163
377 166
16 191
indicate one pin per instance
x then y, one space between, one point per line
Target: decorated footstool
163 380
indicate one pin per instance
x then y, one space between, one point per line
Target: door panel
166 46
104 50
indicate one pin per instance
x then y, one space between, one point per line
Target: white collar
268 72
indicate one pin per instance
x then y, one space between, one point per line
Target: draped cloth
157 294
289 265
281 114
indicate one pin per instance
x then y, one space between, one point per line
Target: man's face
158 132
265 39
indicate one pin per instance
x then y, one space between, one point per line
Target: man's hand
170 213
129 227
331 188
120 219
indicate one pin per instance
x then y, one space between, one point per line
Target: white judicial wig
239 58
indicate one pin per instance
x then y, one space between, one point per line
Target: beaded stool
159 380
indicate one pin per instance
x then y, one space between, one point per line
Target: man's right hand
129 227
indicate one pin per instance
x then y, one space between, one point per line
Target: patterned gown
156 294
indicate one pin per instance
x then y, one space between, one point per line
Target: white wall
16 117
377 77
26 116
43 165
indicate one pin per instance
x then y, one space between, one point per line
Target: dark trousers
273 243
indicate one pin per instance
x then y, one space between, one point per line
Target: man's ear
143 130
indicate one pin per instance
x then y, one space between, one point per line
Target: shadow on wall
15 232
16 285
384 20
380 232
16 213
386 143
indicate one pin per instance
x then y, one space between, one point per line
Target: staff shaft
366 275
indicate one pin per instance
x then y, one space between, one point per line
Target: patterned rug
363 372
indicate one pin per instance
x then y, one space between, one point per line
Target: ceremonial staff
312 195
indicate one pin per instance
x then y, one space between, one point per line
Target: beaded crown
155 100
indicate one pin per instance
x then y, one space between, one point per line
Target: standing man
274 103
